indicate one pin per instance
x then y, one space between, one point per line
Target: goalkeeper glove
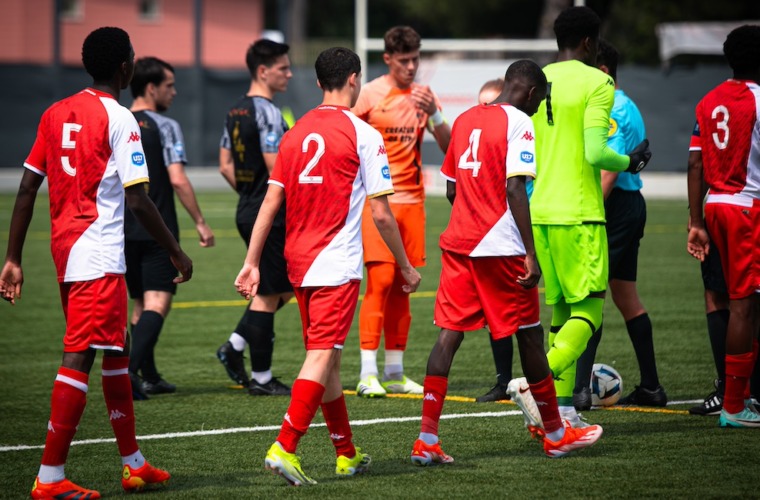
640 156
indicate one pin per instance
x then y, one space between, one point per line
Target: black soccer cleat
272 388
646 397
232 361
582 400
137 390
712 405
160 387
497 393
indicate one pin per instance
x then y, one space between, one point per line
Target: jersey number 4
721 111
68 142
469 159
304 177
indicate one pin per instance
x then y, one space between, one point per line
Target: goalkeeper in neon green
567 207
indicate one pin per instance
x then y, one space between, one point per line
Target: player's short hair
609 56
742 48
496 84
574 24
401 40
527 71
103 52
264 52
334 66
148 70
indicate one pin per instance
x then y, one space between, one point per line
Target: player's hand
424 99
205 234
698 243
184 265
11 279
412 277
247 281
532 272
640 156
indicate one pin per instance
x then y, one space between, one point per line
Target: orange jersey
392 112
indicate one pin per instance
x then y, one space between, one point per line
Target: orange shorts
327 313
96 313
479 291
410 218
735 232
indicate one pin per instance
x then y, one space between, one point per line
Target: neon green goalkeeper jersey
568 189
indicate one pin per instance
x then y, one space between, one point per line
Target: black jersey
164 145
253 126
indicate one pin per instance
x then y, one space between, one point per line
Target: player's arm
517 197
451 191
186 194
386 225
269 161
247 281
698 243
12 275
227 167
147 213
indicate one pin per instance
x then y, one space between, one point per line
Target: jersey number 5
304 177
722 125
469 159
68 142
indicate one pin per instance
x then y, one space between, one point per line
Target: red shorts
327 313
735 232
96 313
479 291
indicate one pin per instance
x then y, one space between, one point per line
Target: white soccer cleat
519 390
369 387
403 386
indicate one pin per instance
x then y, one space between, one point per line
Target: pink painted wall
229 26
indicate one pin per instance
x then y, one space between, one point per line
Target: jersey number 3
469 159
68 142
722 125
304 177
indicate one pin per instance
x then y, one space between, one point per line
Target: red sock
546 399
435 389
336 418
66 407
306 396
117 390
738 369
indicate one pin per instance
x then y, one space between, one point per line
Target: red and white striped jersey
89 147
489 144
328 164
728 135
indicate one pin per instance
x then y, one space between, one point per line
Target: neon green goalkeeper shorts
574 260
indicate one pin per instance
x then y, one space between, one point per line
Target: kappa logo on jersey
527 136
116 414
613 127
138 159
526 157
429 397
133 137
386 171
381 150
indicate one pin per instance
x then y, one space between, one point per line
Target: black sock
259 333
717 326
144 337
640 333
503 351
585 363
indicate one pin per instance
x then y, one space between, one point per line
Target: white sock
394 365
51 473
262 377
369 363
428 438
568 413
238 342
135 460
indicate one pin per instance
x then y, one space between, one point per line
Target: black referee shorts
626 218
274 271
148 268
712 272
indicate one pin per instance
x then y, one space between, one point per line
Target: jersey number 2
68 142
465 161
722 125
304 177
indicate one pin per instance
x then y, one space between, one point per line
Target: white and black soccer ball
606 385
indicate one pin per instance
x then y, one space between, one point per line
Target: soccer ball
606 385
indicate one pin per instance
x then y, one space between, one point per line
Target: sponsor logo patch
526 157
271 139
613 127
179 148
386 171
138 159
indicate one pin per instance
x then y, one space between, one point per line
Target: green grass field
664 453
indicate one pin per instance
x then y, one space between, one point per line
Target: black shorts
626 218
148 268
274 271
712 272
